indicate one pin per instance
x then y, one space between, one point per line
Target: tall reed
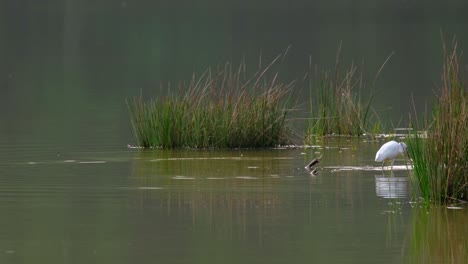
220 109
441 160
336 105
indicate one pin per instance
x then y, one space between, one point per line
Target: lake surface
72 192
238 206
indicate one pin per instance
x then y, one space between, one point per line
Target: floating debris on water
311 146
200 158
314 172
313 163
454 207
149 188
246 177
183 178
133 147
402 133
369 168
328 147
219 158
92 162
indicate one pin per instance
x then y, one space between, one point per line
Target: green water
72 192
250 206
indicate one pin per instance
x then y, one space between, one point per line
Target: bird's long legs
383 163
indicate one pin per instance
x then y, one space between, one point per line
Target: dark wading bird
389 151
311 164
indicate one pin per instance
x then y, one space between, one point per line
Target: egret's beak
407 154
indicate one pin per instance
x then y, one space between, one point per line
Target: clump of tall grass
337 106
220 109
441 160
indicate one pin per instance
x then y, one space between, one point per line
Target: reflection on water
438 235
264 202
228 187
370 168
391 187
66 68
254 206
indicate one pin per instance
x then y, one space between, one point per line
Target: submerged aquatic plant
441 160
220 109
337 107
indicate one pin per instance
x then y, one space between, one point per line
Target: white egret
389 151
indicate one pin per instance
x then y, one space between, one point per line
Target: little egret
389 151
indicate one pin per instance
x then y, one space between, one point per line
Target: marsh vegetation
219 109
337 104
441 159
228 108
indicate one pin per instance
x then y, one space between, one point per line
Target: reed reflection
230 193
438 235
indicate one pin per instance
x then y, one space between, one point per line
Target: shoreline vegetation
228 108
441 160
219 109
337 106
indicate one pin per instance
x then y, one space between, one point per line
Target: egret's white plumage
389 151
